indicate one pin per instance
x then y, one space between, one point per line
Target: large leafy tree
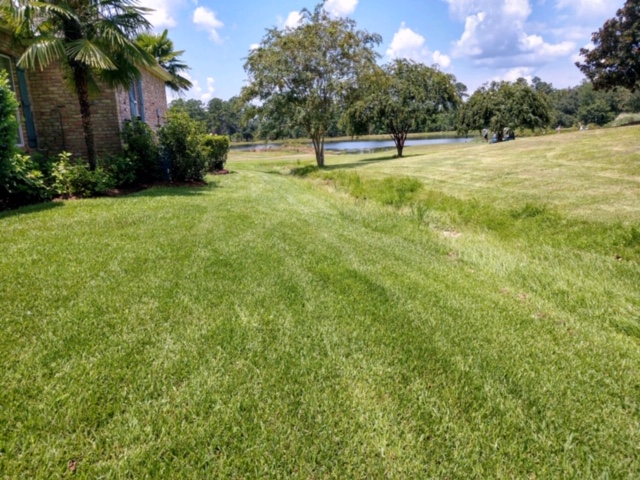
400 98
91 38
224 117
194 108
162 49
300 76
615 59
501 105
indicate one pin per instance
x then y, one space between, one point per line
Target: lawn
468 311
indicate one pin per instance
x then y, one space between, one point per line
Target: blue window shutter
132 103
26 109
141 100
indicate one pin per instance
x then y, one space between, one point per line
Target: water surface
361 146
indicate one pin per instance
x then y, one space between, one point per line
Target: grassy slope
273 326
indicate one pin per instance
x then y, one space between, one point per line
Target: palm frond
89 53
179 83
41 52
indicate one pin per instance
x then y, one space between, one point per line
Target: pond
364 146
361 146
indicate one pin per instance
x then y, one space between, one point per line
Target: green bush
215 148
8 121
21 179
23 182
121 169
626 119
180 144
8 133
76 180
141 149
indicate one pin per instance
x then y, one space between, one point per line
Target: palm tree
161 47
91 38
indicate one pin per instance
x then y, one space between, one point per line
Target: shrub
141 149
76 180
215 148
8 127
121 169
626 119
23 182
180 145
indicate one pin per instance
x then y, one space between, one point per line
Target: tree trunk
399 140
81 80
318 146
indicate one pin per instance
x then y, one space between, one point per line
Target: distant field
468 311
595 172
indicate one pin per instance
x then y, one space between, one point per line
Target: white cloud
574 33
292 21
443 60
195 92
513 74
590 8
205 18
411 45
495 35
340 8
254 46
164 12
335 8
208 95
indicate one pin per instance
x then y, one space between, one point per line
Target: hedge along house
49 114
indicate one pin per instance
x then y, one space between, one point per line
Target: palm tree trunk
81 80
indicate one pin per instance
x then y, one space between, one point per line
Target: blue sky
476 40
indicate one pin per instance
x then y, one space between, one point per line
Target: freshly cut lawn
429 317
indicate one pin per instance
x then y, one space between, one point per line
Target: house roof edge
160 72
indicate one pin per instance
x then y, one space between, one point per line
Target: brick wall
155 101
57 115
56 112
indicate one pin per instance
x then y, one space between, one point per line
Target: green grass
468 311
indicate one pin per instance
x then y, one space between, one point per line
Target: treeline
234 118
585 105
568 107
220 117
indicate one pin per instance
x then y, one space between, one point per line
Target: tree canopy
615 59
301 76
501 105
400 98
92 40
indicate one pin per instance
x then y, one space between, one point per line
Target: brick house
49 114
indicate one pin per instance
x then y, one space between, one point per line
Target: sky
476 40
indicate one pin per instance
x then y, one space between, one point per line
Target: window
136 101
5 65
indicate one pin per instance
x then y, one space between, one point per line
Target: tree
162 49
542 87
566 103
92 39
224 118
192 107
400 98
501 105
615 59
300 76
